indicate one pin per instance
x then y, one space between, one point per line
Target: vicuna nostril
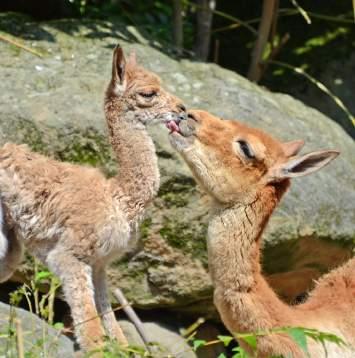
182 116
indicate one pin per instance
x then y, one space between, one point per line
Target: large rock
54 103
164 340
38 337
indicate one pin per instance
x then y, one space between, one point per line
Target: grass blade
302 11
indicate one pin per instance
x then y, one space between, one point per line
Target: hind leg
11 254
104 308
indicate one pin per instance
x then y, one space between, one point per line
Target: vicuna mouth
173 126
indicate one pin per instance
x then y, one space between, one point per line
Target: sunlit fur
74 219
244 194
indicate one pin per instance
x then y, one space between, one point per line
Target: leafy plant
114 350
298 334
43 306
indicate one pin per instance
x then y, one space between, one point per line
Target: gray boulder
38 336
164 341
54 104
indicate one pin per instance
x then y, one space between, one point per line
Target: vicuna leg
103 305
76 277
11 253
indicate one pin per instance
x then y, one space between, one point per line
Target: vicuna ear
303 165
133 58
118 65
292 148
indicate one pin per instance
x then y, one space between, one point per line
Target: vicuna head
137 91
234 162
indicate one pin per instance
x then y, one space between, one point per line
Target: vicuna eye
246 150
189 115
148 94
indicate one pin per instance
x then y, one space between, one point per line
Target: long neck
138 178
243 297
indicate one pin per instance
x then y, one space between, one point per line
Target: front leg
76 278
104 308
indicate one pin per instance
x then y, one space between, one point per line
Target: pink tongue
172 126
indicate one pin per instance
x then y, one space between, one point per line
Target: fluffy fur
246 172
74 219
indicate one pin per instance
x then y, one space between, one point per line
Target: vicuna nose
181 116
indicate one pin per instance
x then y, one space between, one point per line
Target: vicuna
71 217
246 172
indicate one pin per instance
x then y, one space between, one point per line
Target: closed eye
189 115
246 149
148 94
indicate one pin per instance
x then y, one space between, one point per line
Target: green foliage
239 352
225 340
114 350
198 343
298 334
42 305
322 40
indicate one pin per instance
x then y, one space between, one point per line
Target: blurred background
269 42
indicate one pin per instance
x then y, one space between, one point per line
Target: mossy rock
55 104
39 337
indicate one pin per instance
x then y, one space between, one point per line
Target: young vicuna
246 172
74 219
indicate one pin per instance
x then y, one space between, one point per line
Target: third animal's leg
104 308
76 277
11 258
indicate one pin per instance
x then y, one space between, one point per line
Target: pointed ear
292 148
132 58
303 165
118 65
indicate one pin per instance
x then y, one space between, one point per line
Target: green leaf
225 340
198 343
299 336
222 355
239 353
58 325
324 337
42 275
250 339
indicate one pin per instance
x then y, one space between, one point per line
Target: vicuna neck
242 295
137 181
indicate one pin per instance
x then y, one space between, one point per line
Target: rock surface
38 336
54 104
165 341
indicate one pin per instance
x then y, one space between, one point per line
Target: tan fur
244 193
74 219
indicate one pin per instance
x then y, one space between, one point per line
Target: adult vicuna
246 172
74 219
